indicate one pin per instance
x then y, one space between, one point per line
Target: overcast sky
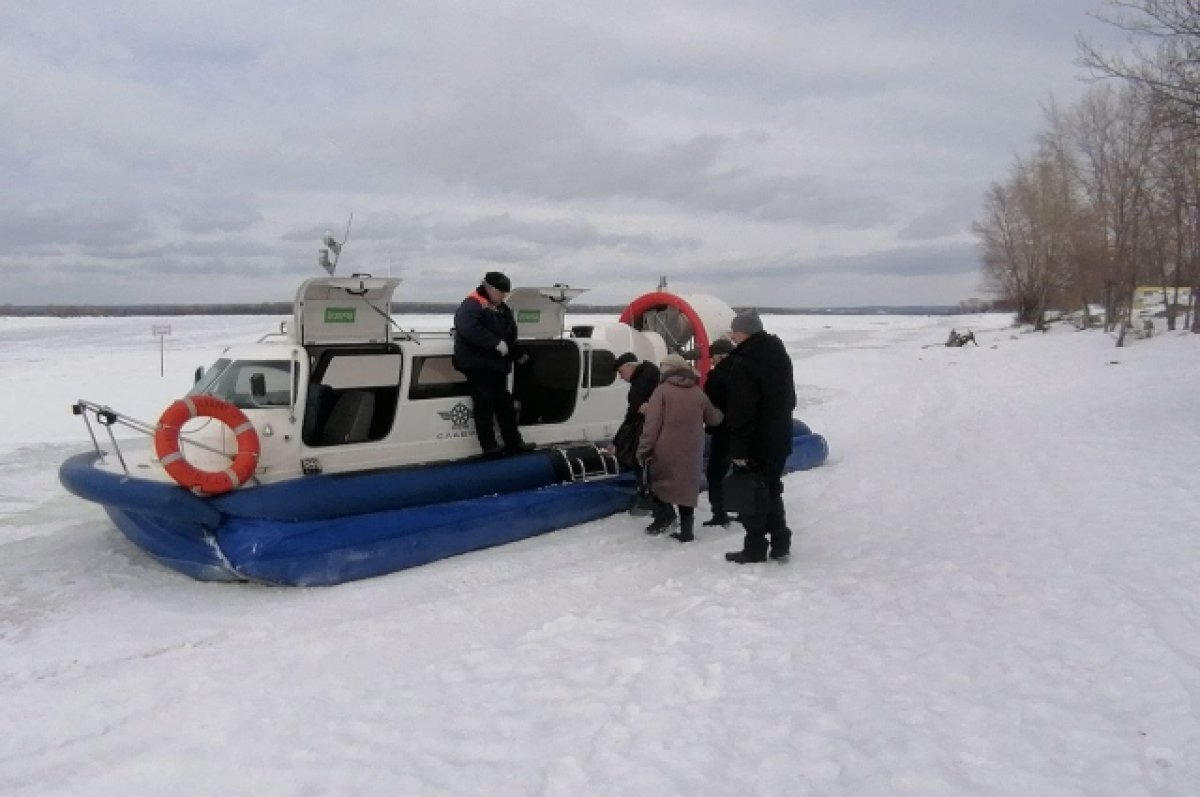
771 152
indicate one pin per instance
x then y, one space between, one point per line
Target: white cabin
346 389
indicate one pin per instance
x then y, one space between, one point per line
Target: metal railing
107 417
603 464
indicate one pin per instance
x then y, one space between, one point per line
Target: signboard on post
162 330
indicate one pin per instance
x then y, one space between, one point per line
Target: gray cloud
910 261
231 215
28 230
557 234
595 143
917 261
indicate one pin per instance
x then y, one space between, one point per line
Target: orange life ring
206 482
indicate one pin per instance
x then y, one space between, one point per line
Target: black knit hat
625 359
720 346
748 323
498 281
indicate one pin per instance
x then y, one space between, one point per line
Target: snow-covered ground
995 590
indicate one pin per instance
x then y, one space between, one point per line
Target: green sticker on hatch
339 315
529 316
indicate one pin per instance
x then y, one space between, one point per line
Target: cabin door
546 385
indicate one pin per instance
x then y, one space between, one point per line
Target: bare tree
1001 236
1175 170
1086 256
1027 237
1164 65
1164 37
1115 139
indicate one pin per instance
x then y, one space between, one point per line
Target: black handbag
745 492
625 442
643 501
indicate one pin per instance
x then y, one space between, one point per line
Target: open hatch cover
541 312
344 310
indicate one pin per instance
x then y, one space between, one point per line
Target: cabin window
362 370
602 373
248 384
436 377
206 382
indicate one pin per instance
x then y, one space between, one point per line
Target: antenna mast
332 245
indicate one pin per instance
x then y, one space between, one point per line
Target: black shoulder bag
745 492
625 442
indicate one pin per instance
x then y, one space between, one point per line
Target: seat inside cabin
350 419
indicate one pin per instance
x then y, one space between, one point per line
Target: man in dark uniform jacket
485 337
716 387
761 396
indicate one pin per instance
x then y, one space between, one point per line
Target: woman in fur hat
672 445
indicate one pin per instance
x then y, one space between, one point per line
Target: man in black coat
716 387
485 337
761 396
643 377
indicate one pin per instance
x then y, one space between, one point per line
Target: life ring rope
206 482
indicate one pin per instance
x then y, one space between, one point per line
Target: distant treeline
425 308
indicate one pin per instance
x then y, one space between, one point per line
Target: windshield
237 381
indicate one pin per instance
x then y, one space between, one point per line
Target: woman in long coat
672 443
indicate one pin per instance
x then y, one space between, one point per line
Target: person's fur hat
720 346
497 281
748 323
674 362
624 359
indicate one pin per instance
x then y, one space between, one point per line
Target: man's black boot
781 543
718 519
754 549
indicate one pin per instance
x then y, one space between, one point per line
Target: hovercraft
343 446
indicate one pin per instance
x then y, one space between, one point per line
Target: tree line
1109 198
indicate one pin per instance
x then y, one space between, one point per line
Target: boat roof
356 310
